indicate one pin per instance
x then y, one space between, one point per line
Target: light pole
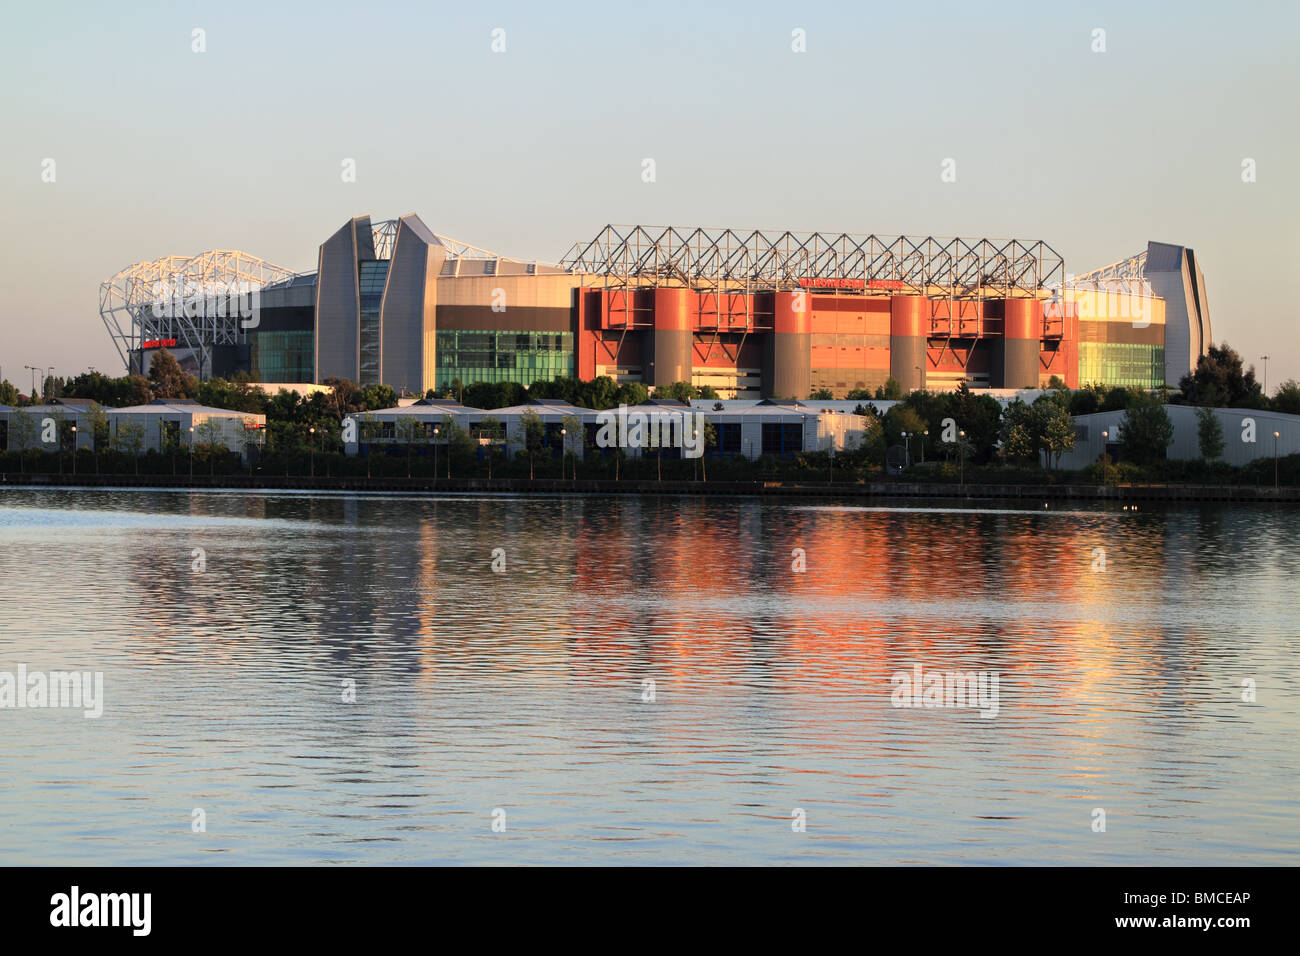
191 453
34 369
49 373
961 453
1105 438
435 452
926 433
907 449
74 455
311 442
1265 358
1276 435
564 449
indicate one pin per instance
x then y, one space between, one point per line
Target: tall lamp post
926 434
34 370
191 453
907 448
311 442
435 452
564 450
1265 358
1276 435
961 453
74 455
1105 438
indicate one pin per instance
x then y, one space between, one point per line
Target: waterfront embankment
516 486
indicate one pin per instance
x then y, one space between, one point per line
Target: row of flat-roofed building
661 427
65 423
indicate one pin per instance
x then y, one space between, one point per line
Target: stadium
752 314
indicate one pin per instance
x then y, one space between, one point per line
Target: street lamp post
1276 436
564 450
435 452
1105 437
311 443
907 449
1265 358
74 454
34 370
191 453
961 457
925 433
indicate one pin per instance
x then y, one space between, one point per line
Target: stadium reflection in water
647 680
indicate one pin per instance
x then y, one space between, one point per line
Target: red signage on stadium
157 343
814 283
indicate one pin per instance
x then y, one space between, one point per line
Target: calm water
523 690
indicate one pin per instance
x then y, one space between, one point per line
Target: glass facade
373 275
782 439
282 356
523 357
1120 363
728 438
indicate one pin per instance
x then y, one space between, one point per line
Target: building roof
541 409
424 408
181 407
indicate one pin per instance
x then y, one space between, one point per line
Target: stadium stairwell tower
371 282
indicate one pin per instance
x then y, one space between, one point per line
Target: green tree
22 434
1219 381
1287 398
1055 428
238 395
369 430
630 393
710 441
209 434
8 394
890 390
1019 432
489 432
97 421
902 418
821 395
129 439
1146 431
683 392
167 379
1209 434
534 433
409 430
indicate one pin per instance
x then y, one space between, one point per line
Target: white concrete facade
820 428
1247 435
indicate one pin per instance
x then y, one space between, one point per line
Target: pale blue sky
160 150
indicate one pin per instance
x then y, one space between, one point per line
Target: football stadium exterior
752 314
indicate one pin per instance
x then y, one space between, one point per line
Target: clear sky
160 150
